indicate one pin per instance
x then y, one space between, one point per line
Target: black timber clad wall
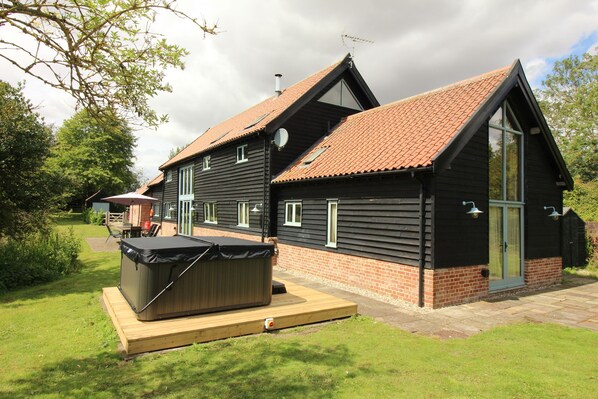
312 122
157 192
460 240
227 182
573 240
377 218
171 193
542 234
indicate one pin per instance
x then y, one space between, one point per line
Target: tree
25 187
176 150
93 154
569 100
102 52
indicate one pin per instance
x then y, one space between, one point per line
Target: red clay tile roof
145 188
142 190
405 134
156 180
237 126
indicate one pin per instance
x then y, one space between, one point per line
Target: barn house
436 199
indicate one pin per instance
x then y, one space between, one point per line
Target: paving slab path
573 303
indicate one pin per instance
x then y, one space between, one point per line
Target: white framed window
169 176
156 210
293 213
243 214
210 212
207 162
331 230
242 153
169 210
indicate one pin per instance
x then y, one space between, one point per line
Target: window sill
243 225
293 224
208 222
242 160
333 246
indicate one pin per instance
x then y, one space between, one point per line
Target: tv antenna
353 40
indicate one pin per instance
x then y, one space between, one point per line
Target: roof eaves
372 173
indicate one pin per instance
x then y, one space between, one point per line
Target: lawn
57 342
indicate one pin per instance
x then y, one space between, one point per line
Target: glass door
505 157
186 197
506 255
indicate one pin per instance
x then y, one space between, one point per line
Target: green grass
57 342
589 270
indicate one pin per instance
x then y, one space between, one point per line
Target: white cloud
419 45
535 70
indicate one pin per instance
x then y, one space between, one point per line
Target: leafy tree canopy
176 150
583 200
93 154
102 52
25 188
569 101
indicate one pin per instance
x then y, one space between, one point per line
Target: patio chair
154 231
112 233
150 231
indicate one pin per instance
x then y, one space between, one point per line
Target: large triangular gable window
341 95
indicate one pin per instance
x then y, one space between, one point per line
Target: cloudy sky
418 45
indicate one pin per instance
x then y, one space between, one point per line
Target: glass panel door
496 264
506 254
186 197
513 241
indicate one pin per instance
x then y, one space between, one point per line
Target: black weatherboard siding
377 218
157 192
171 194
542 234
228 182
460 240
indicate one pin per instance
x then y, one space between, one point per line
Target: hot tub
208 274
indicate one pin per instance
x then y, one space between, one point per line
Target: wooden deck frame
299 306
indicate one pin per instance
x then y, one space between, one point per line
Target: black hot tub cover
188 249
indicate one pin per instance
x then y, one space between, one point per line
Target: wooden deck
300 305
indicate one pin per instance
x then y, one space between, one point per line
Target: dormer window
341 95
313 157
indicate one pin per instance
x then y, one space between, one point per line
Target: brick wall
442 287
167 229
456 285
384 278
543 272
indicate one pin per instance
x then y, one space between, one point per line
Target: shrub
37 258
93 217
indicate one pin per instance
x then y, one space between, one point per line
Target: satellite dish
281 138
